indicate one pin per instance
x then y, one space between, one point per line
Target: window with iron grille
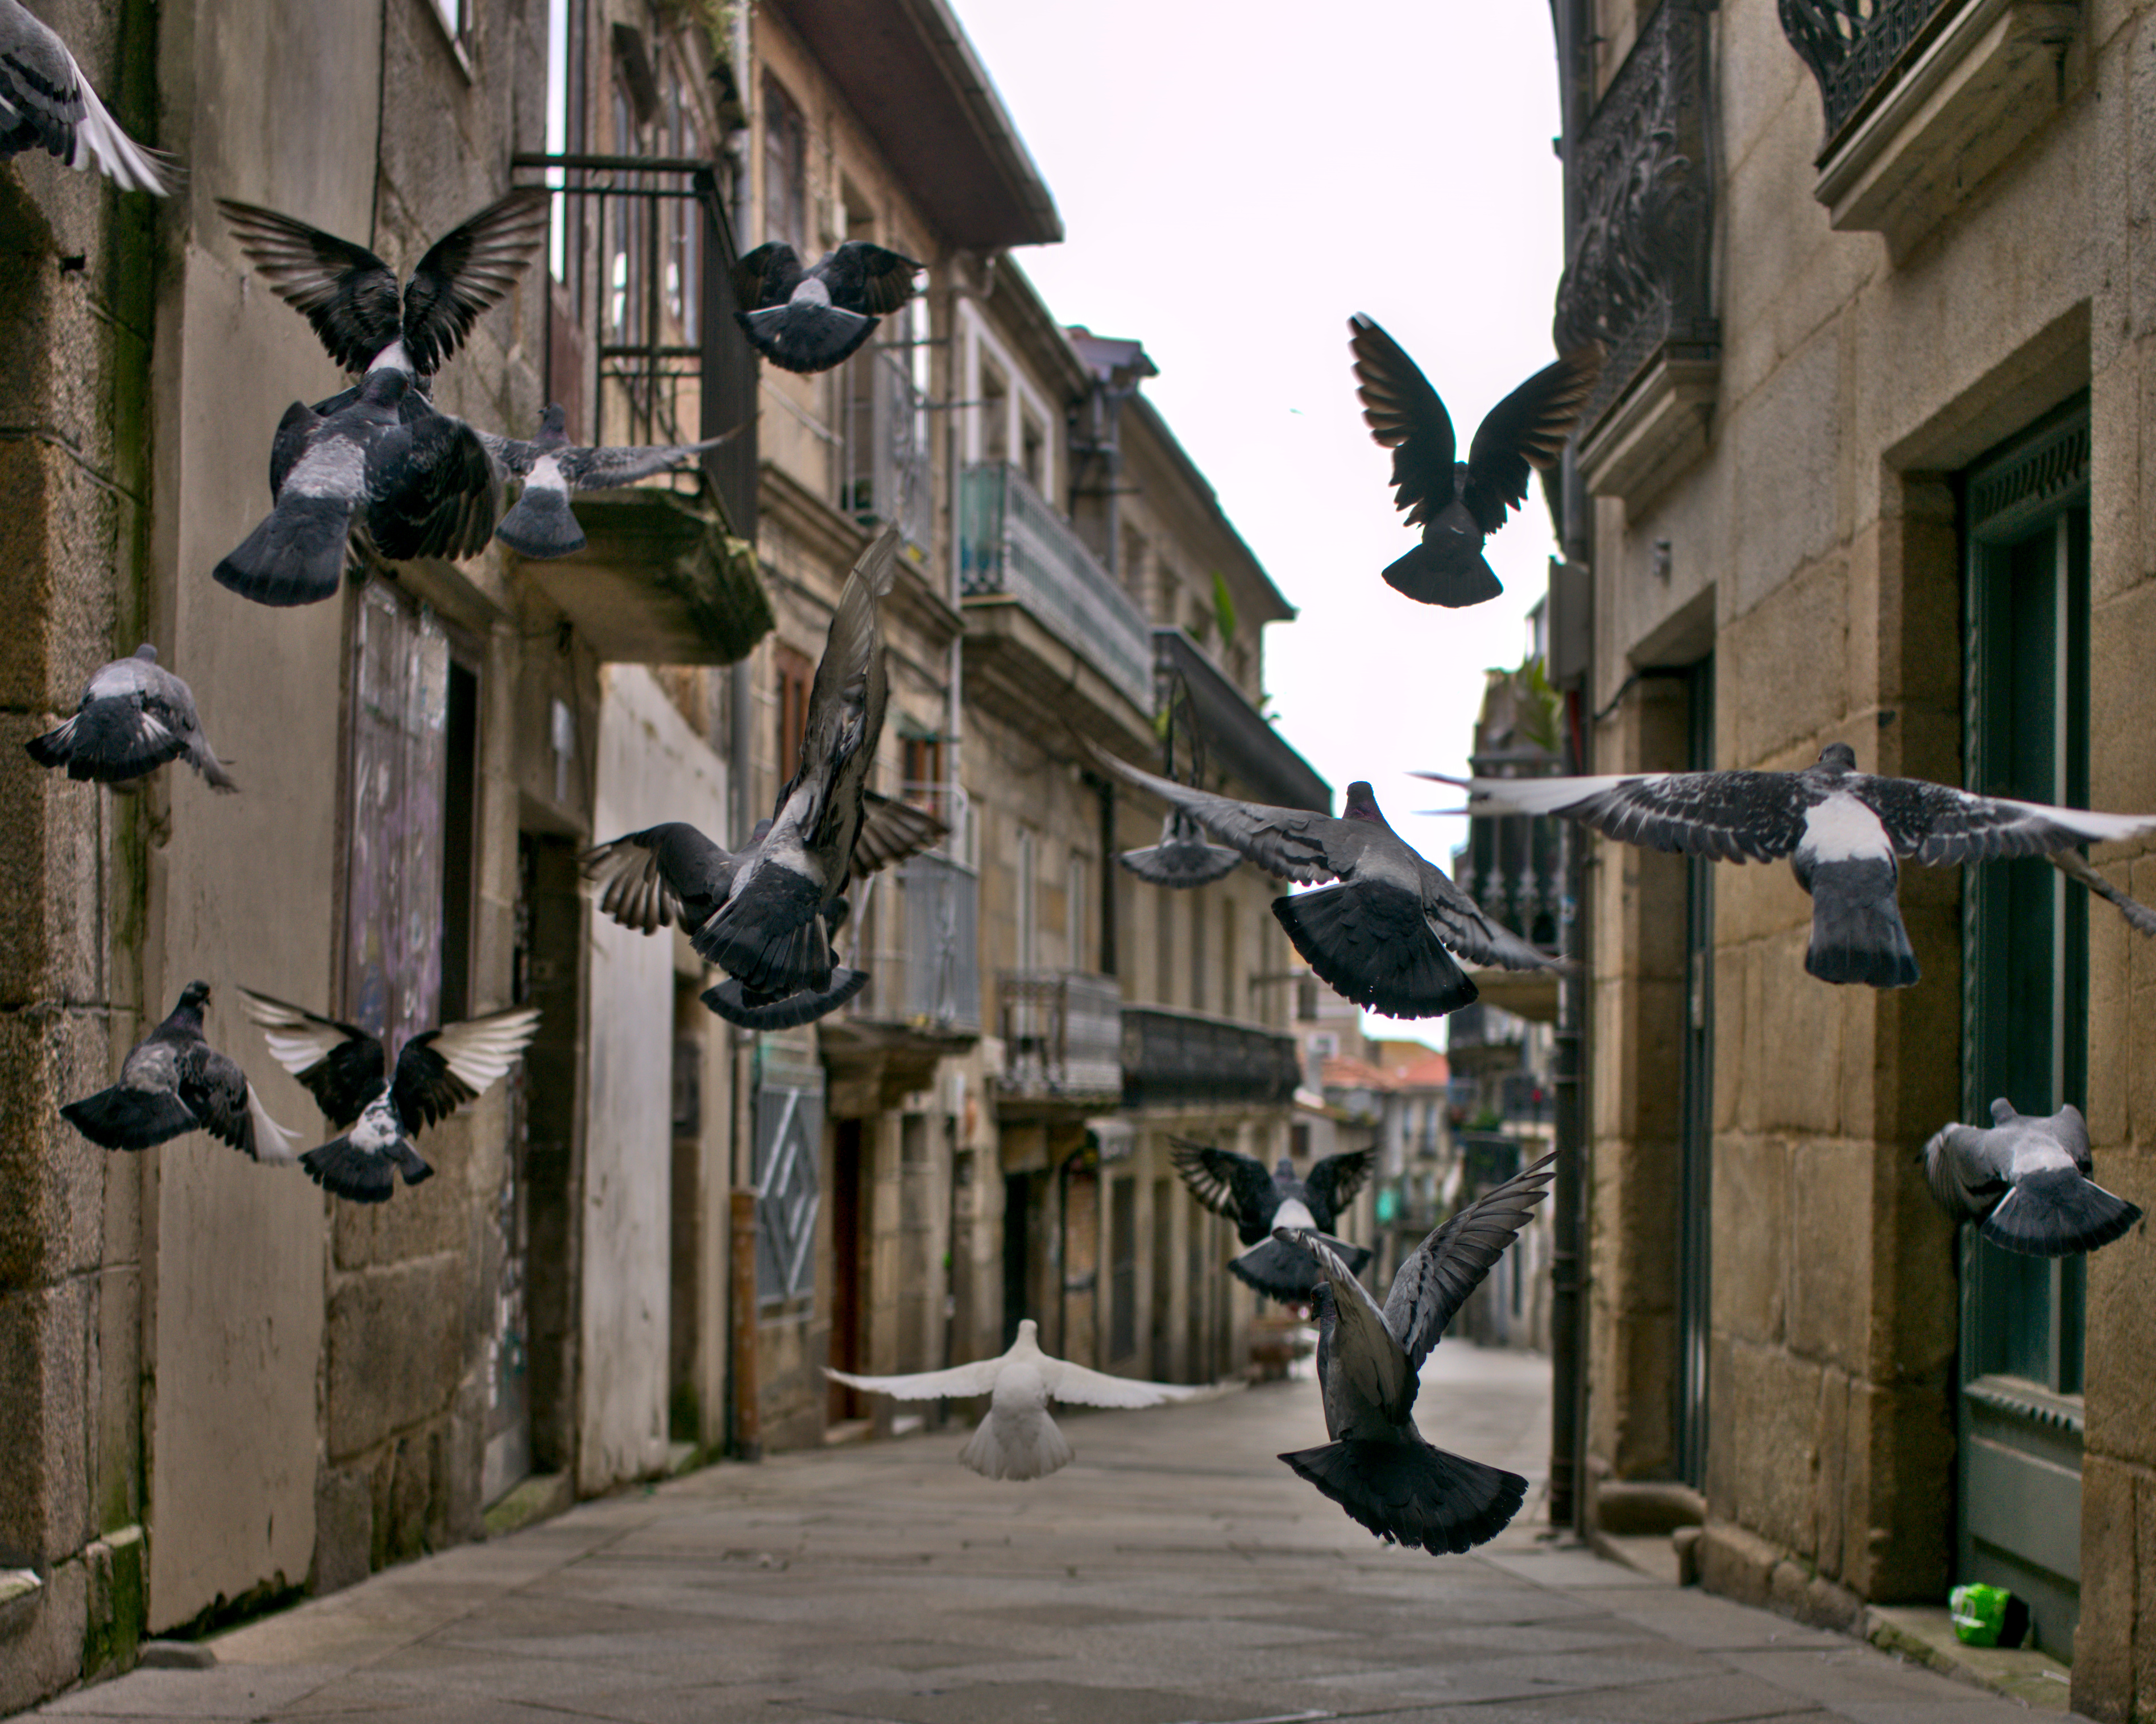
785 163
794 676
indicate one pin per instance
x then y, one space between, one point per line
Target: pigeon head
552 424
146 652
1838 757
384 387
1362 804
2002 1113
194 997
1285 1169
1029 1333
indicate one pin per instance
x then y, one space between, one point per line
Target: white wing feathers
958 1383
273 1143
1067 1381
481 1050
298 1040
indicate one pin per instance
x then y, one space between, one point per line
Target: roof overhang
908 71
1236 735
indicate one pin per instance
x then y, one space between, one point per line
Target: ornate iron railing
919 931
1852 45
1013 541
885 447
1062 1036
1639 223
1173 1058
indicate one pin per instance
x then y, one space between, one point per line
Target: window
1025 902
1074 914
1033 443
1198 964
795 674
1229 1001
459 819
1306 999
1123 1268
785 168
995 415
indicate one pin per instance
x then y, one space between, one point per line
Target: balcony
884 444
1044 621
1236 734
1063 1040
916 937
1182 1059
1639 235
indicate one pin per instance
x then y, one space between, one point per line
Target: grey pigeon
1459 504
362 480
1377 938
438 1071
1841 829
1238 1186
2024 1181
809 320
172 1082
540 524
674 874
351 296
1182 858
134 715
1018 1439
2075 866
770 933
1378 1467
46 104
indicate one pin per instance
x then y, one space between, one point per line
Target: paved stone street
1176 1571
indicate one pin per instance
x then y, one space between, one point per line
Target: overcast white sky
1229 195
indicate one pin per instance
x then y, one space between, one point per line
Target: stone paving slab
1175 1573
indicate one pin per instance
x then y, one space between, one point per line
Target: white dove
1017 1440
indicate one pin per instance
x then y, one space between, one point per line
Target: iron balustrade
884 444
1014 543
1171 1058
1853 46
920 929
1062 1034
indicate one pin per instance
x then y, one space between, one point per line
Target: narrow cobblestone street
1176 1571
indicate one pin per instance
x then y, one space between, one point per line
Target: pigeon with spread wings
1018 1439
1182 858
2024 1181
46 104
1459 504
351 298
540 524
1380 937
1844 833
172 1082
377 1113
1238 1186
810 319
1378 1467
134 715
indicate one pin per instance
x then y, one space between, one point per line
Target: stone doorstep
539 1497
1924 1633
1651 1554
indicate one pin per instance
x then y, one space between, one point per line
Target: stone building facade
1865 468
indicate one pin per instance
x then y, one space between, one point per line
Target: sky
1229 198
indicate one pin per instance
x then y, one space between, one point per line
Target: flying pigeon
134 717
351 297
46 104
2075 866
673 873
541 525
1017 1440
2024 1182
1182 858
1458 505
1238 1186
363 480
1842 830
769 933
173 1081
1377 938
1378 1467
438 1071
808 320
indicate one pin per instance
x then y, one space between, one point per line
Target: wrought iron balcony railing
1180 1058
1852 45
885 447
1062 1034
1013 543
919 934
1639 209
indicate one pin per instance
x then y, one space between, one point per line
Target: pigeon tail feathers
540 525
296 556
1857 932
1287 1272
1412 1494
805 336
2057 1213
769 936
344 1170
751 1010
121 1118
109 740
1414 978
1444 575
1026 1446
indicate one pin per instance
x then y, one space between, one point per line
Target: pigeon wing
868 279
1732 817
664 874
438 493
340 1063
1966 1168
344 291
1406 416
597 469
1439 1274
2075 866
891 832
437 1072
1936 823
1225 1182
979 1378
1333 1182
216 1092
466 271
1067 1382
295 431
1363 1341
1289 843
41 87
1465 927
766 276
846 700
1524 432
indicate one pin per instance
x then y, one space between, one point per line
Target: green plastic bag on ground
1987 1616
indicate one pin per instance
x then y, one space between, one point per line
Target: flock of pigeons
376 472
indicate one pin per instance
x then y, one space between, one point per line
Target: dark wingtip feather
771 936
